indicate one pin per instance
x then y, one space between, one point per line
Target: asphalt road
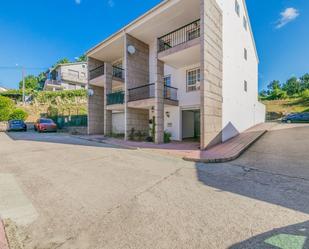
63 192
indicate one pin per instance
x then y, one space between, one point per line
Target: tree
292 86
6 108
275 84
62 61
31 83
82 58
304 81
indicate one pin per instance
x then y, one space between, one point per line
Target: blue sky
37 33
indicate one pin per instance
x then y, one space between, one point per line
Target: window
245 54
167 80
193 80
237 7
246 86
245 23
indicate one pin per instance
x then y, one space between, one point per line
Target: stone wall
211 73
136 74
3 126
96 111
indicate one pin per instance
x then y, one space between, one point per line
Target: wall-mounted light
90 92
168 114
131 49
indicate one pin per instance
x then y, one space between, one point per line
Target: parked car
17 125
296 118
44 125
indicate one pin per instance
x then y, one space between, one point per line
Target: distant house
2 89
71 76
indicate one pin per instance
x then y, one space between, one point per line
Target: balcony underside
115 107
100 81
149 103
183 55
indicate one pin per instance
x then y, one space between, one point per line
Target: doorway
191 124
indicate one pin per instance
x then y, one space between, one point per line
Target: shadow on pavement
56 138
270 171
290 237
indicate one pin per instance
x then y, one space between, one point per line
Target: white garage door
118 123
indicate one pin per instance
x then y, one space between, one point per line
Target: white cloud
288 15
111 3
78 1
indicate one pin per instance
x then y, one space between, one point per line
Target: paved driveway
63 192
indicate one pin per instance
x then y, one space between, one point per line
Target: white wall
172 124
118 123
239 107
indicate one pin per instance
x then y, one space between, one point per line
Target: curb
226 159
3 239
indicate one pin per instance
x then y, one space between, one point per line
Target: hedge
50 96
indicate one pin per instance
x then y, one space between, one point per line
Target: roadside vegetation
289 97
9 111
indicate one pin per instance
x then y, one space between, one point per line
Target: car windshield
46 121
16 122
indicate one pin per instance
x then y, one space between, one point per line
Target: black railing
180 36
148 91
170 93
118 72
115 98
97 72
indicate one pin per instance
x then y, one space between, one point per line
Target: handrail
102 66
179 36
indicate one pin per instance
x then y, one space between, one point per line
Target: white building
2 89
190 67
70 76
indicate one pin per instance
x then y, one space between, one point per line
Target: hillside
279 108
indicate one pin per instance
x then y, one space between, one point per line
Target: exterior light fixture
90 92
131 49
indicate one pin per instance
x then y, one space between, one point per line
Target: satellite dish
131 49
90 92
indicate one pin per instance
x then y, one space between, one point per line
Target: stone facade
211 73
136 74
3 126
108 128
96 111
159 99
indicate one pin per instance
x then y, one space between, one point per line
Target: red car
44 125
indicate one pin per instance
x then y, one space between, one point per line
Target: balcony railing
97 72
118 72
148 91
180 36
115 98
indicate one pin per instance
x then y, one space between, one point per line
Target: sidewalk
231 149
190 151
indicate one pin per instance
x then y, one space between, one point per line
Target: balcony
115 98
118 72
97 72
148 92
180 36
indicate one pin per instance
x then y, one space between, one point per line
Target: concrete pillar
136 74
108 76
159 99
211 73
96 111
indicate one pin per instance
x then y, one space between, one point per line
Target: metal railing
170 93
118 72
94 73
148 91
115 98
180 36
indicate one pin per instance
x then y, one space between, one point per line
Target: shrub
6 108
278 94
49 96
18 114
167 137
305 94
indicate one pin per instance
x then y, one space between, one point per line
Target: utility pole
24 95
